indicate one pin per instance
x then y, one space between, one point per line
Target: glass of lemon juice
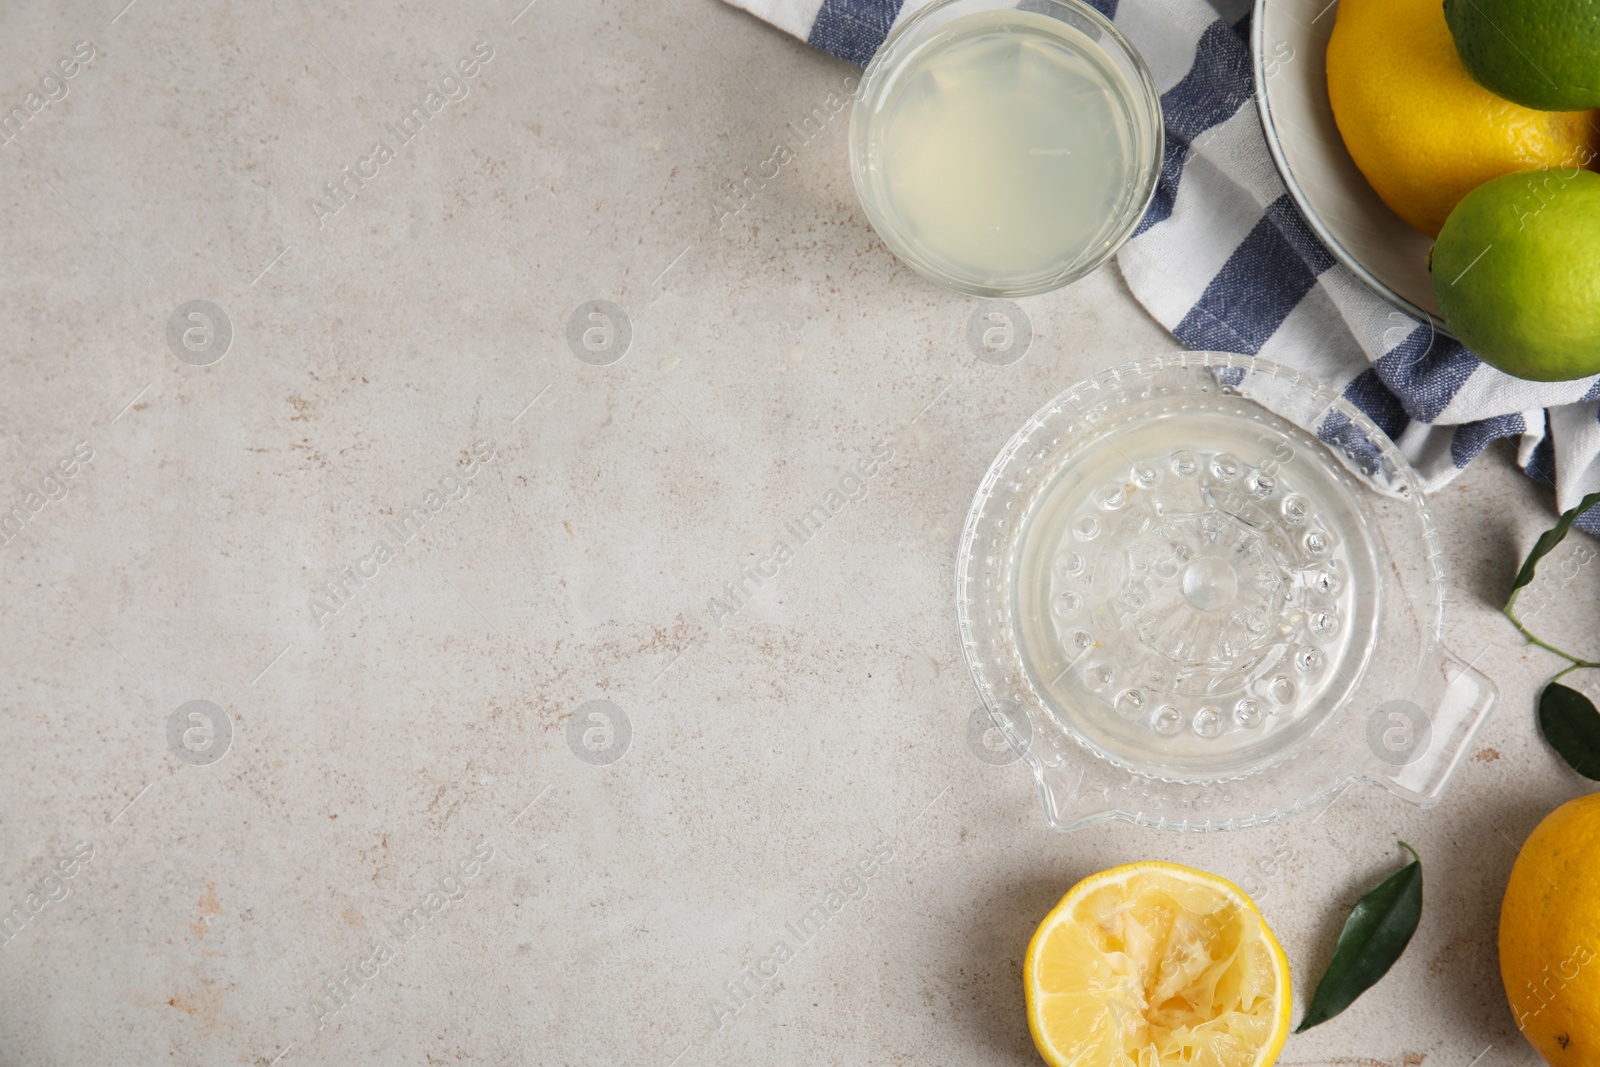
1005 147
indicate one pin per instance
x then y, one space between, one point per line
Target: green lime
1542 54
1516 270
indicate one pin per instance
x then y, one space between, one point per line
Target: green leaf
1571 724
1377 931
1548 540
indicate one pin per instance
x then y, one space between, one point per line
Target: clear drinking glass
1005 148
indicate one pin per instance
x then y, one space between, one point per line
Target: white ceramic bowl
1289 41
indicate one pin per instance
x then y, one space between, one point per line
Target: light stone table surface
193 880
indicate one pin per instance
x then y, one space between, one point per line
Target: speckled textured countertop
394 507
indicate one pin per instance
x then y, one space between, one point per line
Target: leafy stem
1576 661
1568 719
1568 670
1541 548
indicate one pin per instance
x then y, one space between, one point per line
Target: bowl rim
1269 133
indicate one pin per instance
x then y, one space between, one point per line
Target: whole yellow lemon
1550 935
1421 130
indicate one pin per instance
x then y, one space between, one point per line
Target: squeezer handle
1415 750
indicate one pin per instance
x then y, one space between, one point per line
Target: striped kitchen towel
1224 260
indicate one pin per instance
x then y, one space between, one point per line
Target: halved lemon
1153 965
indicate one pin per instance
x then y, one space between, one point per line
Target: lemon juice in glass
1005 150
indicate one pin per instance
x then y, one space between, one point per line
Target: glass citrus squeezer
1183 609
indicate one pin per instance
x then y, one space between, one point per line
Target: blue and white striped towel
1224 260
